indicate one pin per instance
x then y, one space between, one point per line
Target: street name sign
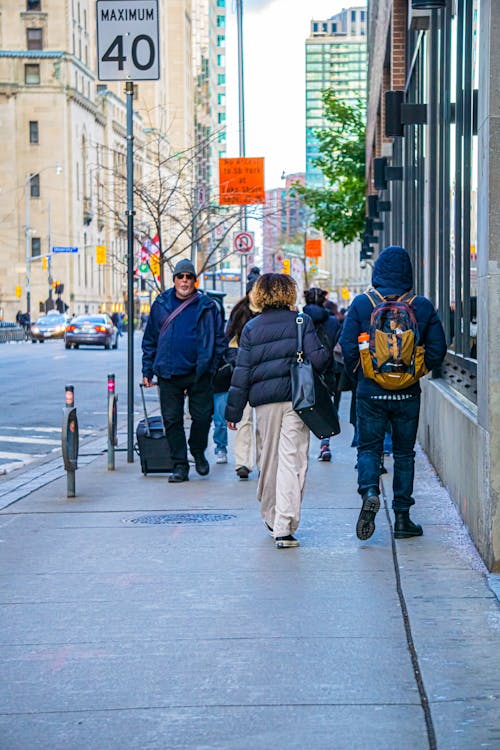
64 249
128 40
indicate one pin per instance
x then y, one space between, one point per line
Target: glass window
221 22
33 5
35 186
34 131
36 247
221 3
34 39
221 40
221 79
31 74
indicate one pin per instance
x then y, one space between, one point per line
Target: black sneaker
366 520
243 472
286 541
201 465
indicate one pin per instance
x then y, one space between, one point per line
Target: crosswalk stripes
20 446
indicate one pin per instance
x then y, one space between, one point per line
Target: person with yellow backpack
390 339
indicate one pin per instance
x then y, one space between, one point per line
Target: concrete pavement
150 616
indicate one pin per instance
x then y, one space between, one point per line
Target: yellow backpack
391 356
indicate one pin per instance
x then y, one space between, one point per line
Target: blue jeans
373 416
220 427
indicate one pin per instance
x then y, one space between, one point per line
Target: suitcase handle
148 431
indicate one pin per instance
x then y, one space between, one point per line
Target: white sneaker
221 457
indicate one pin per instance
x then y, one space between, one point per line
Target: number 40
120 58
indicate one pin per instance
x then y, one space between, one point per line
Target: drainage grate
177 518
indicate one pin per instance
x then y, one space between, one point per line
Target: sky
274 34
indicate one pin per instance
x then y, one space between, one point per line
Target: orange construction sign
241 181
313 248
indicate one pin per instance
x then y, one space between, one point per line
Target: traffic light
58 287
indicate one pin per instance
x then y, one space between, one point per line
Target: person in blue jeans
377 407
220 428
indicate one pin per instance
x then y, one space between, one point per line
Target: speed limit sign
128 40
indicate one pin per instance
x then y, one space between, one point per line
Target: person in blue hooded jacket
182 345
376 407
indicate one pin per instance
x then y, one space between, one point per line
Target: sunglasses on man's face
188 276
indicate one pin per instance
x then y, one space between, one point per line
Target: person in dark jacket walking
327 327
182 345
376 406
267 348
246 441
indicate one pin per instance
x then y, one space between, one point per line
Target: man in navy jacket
184 354
376 407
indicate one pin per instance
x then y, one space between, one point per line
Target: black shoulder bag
310 397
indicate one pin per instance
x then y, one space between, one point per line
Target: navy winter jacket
158 356
392 275
267 348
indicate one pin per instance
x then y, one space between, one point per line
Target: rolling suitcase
152 445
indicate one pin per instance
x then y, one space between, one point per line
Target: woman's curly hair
274 290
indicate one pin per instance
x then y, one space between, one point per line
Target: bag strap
407 297
177 312
300 323
370 294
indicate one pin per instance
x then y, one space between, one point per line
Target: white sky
274 34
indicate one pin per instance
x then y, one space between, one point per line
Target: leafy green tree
338 208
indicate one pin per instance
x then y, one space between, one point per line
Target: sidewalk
142 615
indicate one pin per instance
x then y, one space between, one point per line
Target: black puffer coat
268 346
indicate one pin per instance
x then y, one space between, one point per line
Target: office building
433 165
63 149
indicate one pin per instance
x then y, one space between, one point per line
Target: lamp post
27 230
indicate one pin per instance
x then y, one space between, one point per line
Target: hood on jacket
316 313
393 271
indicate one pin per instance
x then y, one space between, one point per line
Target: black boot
366 520
404 526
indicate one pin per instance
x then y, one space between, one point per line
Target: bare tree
175 214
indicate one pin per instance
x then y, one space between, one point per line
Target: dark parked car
91 330
50 326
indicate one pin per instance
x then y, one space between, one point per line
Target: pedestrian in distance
410 341
246 443
327 328
267 348
182 346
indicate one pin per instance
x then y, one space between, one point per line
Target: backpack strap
372 295
407 297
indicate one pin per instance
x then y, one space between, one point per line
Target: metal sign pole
129 90
241 117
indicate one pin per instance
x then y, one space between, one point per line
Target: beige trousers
245 440
283 466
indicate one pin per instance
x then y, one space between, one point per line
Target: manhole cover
176 518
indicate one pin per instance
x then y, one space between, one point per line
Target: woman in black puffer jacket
267 348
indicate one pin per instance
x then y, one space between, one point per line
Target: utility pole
241 118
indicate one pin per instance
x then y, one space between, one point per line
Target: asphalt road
33 380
